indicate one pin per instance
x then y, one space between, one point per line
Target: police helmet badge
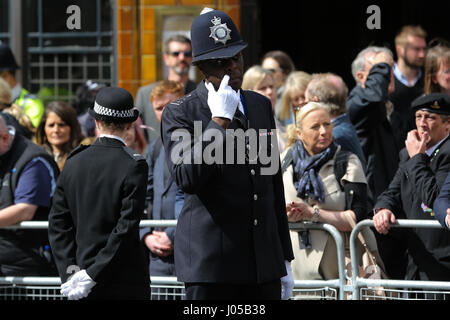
219 32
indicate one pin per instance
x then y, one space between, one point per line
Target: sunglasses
177 53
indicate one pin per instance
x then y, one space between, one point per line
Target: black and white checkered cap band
113 113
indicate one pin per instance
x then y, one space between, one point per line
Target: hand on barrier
382 220
287 283
223 102
79 286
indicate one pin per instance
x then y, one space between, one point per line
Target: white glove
287 283
79 286
223 102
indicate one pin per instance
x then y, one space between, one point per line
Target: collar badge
220 31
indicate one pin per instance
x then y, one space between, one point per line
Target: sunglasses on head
177 53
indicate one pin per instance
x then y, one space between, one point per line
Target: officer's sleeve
184 153
61 232
133 201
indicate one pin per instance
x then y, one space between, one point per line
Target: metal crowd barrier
395 289
168 288
323 289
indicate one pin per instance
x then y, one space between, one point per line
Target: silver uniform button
255 196
255 222
252 172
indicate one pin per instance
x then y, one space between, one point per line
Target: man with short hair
424 166
97 207
330 89
27 181
31 105
177 55
232 239
411 49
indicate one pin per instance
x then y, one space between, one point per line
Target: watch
316 215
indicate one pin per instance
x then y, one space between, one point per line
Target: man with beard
177 57
411 47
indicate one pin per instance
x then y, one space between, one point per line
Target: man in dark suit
232 239
97 206
424 166
441 206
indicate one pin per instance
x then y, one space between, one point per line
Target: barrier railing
339 283
170 288
399 287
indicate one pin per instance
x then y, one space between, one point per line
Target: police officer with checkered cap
232 239
97 207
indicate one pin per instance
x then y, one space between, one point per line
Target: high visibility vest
31 105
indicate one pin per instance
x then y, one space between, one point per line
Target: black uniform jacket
94 220
233 226
414 188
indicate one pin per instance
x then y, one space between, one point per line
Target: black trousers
225 291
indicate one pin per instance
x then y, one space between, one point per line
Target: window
59 59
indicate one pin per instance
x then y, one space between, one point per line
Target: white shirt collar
400 77
112 137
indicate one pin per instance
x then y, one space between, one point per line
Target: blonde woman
261 80
312 191
293 95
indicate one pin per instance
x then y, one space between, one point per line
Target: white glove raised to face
79 286
223 102
287 283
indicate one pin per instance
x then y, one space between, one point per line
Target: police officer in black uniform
97 206
232 239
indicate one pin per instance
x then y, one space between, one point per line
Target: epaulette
133 154
181 100
78 149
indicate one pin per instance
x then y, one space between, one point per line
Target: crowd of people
378 151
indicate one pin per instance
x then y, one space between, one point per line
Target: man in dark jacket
232 239
368 109
98 204
27 181
375 119
424 166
